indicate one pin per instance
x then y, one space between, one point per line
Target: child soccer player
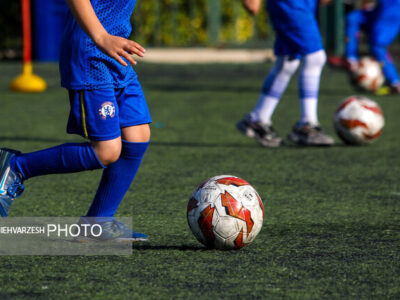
107 107
384 29
297 40
357 19
381 21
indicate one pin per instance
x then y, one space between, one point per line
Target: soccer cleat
349 64
263 133
309 135
10 182
388 90
111 230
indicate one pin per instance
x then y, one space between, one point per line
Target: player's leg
108 151
274 86
17 167
66 158
354 20
258 123
91 117
309 81
307 131
389 69
384 32
117 178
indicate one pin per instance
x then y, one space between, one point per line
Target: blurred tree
165 23
188 23
10 24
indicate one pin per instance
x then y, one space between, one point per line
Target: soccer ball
369 75
358 120
225 212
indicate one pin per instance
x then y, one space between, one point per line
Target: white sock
310 75
308 109
274 86
265 108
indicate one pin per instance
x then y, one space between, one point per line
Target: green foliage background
185 23
10 24
167 23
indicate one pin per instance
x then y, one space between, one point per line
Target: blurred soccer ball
358 120
368 74
225 212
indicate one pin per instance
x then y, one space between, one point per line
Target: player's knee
317 59
146 134
289 66
109 157
314 62
137 134
108 152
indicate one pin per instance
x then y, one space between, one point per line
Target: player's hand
117 47
252 6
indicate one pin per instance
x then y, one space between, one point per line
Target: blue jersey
82 65
296 26
386 22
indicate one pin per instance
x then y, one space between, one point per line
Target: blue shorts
385 28
100 114
296 27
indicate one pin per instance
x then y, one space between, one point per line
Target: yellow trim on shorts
83 114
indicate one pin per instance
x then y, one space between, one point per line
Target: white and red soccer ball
225 212
368 74
358 120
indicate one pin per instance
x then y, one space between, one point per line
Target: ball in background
369 75
359 120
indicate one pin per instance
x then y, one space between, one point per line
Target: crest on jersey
107 110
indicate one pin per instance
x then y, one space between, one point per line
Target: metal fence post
339 27
332 27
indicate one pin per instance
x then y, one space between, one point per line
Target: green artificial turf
332 215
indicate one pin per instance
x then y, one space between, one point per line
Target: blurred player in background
384 30
357 20
380 20
298 40
107 107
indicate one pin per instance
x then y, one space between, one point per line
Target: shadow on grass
168 248
201 88
237 145
35 139
171 144
153 143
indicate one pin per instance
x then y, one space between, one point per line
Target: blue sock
65 158
116 180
